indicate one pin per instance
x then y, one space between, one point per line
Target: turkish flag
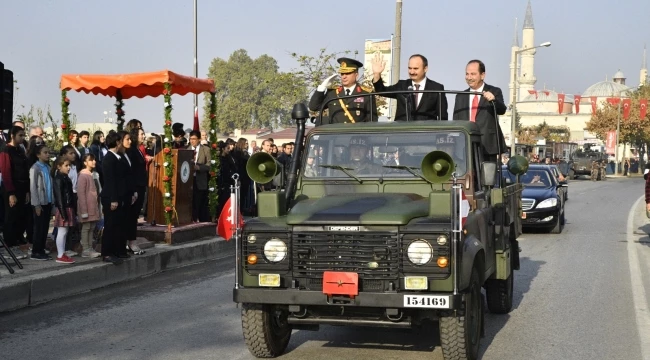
627 104
226 225
577 103
610 143
196 119
560 102
593 104
533 92
546 92
643 103
613 100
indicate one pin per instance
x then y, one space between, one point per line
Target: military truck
584 157
405 231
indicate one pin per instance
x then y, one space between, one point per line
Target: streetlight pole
196 63
513 128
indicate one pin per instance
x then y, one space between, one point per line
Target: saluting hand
488 96
323 86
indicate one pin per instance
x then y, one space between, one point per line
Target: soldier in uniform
349 110
594 170
360 162
603 170
310 168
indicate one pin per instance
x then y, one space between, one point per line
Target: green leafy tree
251 93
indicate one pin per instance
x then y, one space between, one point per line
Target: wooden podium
182 182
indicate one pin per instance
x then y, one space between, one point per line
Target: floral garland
119 104
215 163
65 116
168 170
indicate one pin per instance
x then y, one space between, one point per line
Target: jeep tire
460 336
499 294
265 329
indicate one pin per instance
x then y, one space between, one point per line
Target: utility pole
397 48
196 62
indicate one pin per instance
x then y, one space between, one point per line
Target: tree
251 93
528 134
37 116
312 70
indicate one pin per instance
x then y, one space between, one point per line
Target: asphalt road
574 299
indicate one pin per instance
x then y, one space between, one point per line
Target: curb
39 288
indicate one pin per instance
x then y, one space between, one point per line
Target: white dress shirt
471 97
421 87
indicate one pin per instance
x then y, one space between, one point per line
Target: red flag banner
560 102
643 104
613 100
610 142
577 103
546 92
627 104
533 92
594 101
226 225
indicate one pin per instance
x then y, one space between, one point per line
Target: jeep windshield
379 155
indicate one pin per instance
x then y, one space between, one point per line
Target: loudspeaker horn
437 166
262 168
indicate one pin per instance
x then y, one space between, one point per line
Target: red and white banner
593 104
533 92
560 102
226 226
463 209
577 102
610 142
643 104
196 119
627 105
613 100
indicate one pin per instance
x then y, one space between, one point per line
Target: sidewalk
42 281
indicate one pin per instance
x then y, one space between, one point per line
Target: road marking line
638 292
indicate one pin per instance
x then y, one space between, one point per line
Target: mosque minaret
527 78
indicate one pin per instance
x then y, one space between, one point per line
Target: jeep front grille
374 256
527 204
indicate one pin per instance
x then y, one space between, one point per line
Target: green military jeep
370 230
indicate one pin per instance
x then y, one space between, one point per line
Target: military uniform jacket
359 108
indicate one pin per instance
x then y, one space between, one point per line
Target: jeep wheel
265 329
499 294
460 336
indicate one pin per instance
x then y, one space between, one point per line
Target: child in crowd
70 153
64 215
87 205
42 198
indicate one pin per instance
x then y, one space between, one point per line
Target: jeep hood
359 209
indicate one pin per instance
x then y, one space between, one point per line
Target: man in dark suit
416 106
200 210
112 198
349 110
478 108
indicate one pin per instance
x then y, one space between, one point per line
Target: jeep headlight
552 202
442 240
275 250
419 252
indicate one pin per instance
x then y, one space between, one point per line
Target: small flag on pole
226 226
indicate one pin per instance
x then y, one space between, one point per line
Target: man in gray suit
200 210
479 108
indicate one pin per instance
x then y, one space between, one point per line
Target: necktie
416 95
347 92
474 109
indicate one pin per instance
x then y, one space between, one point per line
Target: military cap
359 140
348 65
312 154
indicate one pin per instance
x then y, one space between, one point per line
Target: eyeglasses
194 138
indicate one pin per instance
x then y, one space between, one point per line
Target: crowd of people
92 190
90 187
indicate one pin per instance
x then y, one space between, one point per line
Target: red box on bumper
340 283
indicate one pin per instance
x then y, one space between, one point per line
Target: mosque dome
605 89
619 75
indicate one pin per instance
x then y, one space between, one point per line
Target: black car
542 198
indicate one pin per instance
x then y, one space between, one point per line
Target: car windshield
532 178
379 155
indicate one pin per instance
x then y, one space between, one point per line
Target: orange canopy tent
166 83
137 84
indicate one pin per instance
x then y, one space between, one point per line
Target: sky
43 39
